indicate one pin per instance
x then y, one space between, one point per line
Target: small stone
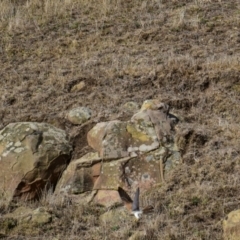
78 87
17 144
79 115
131 107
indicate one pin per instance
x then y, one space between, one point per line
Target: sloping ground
187 53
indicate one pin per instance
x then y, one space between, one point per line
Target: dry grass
183 52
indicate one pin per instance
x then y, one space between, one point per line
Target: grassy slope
183 52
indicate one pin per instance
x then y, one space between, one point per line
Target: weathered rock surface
143 135
110 139
151 127
129 154
80 176
79 115
107 198
231 226
32 158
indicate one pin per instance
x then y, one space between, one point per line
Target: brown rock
32 158
79 115
96 135
109 139
143 135
111 175
81 175
146 170
107 198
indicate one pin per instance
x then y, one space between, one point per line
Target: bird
133 205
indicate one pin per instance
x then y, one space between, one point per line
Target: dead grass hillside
185 52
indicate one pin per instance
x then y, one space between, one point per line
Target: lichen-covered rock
79 115
146 170
88 174
143 135
80 175
110 139
162 120
115 142
111 175
148 129
231 226
32 158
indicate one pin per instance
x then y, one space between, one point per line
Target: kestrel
133 205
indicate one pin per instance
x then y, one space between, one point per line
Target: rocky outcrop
231 226
32 159
134 153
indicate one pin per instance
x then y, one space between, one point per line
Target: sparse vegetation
184 52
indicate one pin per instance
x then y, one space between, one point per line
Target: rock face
231 226
129 154
32 158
